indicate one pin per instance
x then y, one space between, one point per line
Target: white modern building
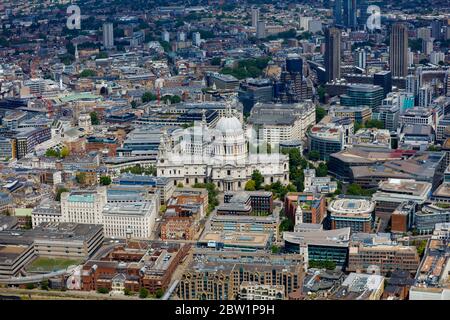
129 220
83 206
47 211
122 217
275 123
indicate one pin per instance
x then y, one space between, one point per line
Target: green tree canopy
143 293
148 96
86 73
94 118
250 185
314 155
320 113
105 180
258 178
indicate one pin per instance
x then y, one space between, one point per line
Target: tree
250 185
65 152
286 225
87 73
28 223
148 96
44 285
275 249
30 286
356 190
127 292
320 113
180 185
102 55
105 180
373 123
52 153
258 178
212 194
215 61
162 209
314 155
327 264
94 118
103 290
143 293
322 170
81 178
58 193
133 104
159 293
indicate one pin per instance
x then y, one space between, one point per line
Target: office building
436 29
313 207
422 166
363 95
158 185
108 35
332 58
389 116
261 202
384 80
425 220
371 138
357 214
253 91
386 256
426 95
196 39
337 12
402 217
261 30
255 17
47 211
293 87
277 123
205 280
132 266
328 138
432 280
27 139
245 223
360 286
222 81
320 245
83 206
250 290
360 58
130 220
349 15
398 50
165 36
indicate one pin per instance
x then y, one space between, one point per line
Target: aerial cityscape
224 150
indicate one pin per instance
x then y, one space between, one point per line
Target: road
178 273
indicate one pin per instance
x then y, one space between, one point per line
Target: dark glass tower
332 57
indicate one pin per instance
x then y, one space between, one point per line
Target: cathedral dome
229 124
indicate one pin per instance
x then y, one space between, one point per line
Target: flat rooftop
328 238
129 209
351 206
238 238
9 253
405 186
51 231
